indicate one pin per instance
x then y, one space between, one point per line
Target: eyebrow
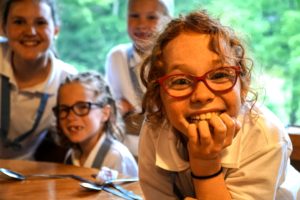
217 62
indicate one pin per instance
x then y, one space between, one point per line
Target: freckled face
81 129
30 29
188 53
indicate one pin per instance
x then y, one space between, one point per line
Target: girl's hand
206 141
124 106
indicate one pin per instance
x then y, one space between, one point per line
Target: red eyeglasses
221 79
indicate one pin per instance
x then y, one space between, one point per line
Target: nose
142 22
30 30
71 115
202 93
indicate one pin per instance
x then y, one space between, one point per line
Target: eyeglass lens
219 80
80 109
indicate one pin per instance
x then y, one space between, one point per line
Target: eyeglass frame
202 78
69 108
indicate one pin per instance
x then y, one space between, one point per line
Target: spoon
124 193
12 174
20 177
85 182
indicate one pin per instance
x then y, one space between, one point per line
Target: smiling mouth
30 43
142 35
75 128
204 116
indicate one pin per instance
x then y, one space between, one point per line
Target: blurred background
270 28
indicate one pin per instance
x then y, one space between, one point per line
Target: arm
124 107
116 70
206 141
113 64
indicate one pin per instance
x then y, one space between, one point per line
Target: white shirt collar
90 159
135 59
6 70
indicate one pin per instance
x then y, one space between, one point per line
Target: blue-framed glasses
221 79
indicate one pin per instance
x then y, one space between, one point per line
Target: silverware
111 187
20 177
108 186
121 180
113 183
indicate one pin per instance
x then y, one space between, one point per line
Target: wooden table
294 133
43 189
295 157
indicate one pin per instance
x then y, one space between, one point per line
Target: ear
105 113
56 31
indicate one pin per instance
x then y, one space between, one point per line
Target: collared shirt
24 104
254 165
117 74
118 158
119 62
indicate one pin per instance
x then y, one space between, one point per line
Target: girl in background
203 136
88 122
145 18
30 75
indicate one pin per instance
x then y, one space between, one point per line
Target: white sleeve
119 158
259 176
155 182
265 156
114 65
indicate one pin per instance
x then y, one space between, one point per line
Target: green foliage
90 28
88 31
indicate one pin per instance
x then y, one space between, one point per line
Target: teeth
30 43
75 128
204 116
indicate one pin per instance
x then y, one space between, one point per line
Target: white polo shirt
118 158
117 73
254 165
118 76
24 104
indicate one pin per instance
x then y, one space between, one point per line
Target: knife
111 188
115 192
126 192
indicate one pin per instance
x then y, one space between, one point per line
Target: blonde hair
94 81
169 6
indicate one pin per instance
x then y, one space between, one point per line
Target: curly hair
93 81
223 42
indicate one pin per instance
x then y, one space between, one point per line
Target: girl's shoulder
119 147
60 69
260 122
119 50
63 67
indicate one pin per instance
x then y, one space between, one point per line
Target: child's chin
75 140
143 45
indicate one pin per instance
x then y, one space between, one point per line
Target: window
269 27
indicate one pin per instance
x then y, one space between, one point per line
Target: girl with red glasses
204 137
